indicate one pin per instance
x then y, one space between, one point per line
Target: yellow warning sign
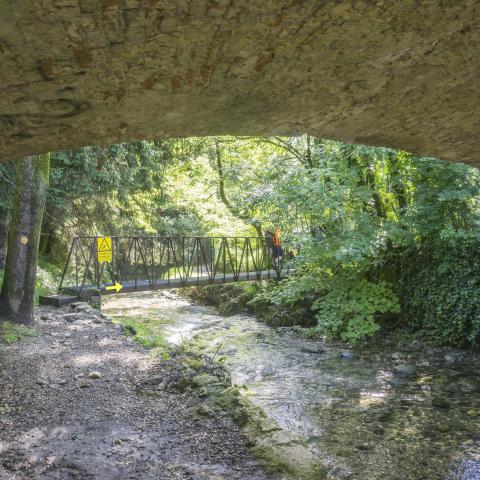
104 249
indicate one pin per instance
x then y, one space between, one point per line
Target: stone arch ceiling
396 73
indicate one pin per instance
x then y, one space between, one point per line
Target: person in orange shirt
277 250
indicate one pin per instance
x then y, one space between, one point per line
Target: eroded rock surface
399 74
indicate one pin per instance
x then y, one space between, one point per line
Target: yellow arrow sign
117 287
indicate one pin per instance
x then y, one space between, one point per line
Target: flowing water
386 412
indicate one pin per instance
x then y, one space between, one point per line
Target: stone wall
401 74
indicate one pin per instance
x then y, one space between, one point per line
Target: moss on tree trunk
18 290
4 223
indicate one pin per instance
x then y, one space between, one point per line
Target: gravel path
69 409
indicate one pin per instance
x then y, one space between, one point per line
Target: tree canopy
373 229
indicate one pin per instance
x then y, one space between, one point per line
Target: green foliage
7 185
291 290
14 332
48 276
440 291
349 212
349 308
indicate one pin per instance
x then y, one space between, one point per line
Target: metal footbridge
98 266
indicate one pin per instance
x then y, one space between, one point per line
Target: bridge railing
148 262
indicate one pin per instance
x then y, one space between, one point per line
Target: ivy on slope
440 291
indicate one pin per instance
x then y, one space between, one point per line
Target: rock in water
346 355
443 427
404 370
312 349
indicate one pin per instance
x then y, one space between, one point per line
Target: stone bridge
400 74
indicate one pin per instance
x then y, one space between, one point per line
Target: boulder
204 379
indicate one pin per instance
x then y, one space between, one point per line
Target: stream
385 412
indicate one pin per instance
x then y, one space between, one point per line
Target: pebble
94 375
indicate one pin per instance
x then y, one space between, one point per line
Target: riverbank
168 323
76 402
383 412
242 297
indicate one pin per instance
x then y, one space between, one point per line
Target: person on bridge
272 240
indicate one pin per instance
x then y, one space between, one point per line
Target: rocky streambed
389 411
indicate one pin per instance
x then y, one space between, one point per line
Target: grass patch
14 332
144 331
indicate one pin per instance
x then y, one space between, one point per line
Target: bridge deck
74 293
172 283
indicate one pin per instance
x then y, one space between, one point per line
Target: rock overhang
397 74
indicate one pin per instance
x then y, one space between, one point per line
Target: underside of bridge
399 74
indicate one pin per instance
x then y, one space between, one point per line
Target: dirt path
59 422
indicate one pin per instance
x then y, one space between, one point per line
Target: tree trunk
398 187
221 180
259 230
4 223
18 290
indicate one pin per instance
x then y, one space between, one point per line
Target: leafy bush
301 287
349 308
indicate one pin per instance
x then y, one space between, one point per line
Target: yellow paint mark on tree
104 249
23 240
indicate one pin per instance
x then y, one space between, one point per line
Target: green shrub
292 290
349 308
